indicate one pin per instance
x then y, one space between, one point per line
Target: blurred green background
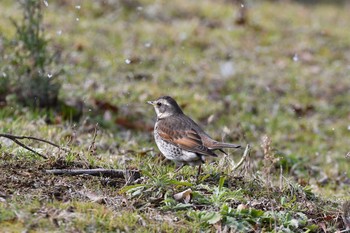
241 69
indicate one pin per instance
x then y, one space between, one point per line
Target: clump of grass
155 184
31 69
269 159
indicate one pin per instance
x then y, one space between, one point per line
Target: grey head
165 106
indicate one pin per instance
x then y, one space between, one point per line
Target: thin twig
96 172
28 148
10 136
15 139
244 157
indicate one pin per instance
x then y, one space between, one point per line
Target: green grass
288 80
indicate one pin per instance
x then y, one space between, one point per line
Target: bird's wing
183 136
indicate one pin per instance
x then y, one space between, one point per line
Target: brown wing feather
187 139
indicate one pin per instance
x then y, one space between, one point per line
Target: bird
179 138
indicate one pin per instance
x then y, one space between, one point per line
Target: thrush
179 138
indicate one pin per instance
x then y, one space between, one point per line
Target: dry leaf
241 207
93 196
184 196
133 124
218 227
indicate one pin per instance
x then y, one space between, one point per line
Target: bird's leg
179 168
223 151
199 171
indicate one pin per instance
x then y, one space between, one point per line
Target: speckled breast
175 153
170 151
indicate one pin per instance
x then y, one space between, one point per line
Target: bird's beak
150 102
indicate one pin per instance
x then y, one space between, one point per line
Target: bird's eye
159 104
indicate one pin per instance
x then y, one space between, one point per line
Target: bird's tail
220 145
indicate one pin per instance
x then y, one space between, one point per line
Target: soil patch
28 178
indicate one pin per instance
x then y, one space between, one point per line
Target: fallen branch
97 172
244 157
15 139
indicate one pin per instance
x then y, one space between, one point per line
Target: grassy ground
283 74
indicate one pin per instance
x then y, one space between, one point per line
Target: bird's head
165 106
